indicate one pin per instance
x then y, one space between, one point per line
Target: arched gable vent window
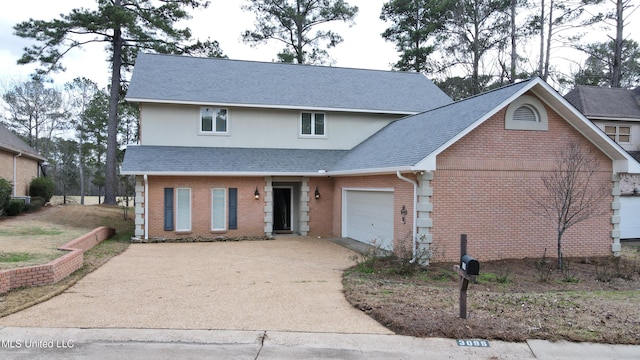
526 113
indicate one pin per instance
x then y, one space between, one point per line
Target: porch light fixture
317 194
257 194
403 212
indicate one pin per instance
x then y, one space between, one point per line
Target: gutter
414 232
15 173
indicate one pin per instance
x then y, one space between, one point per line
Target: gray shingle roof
13 143
402 143
411 139
176 159
170 78
598 102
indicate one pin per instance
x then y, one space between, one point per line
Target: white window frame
213 131
616 135
313 125
542 123
224 209
179 214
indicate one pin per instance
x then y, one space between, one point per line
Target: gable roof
427 134
605 103
12 143
409 144
214 81
423 134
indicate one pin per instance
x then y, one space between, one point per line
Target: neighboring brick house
616 112
19 162
235 148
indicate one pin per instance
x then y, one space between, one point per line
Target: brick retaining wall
58 269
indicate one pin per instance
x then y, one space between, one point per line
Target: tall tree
600 68
297 24
618 19
414 25
554 22
473 28
126 27
97 115
65 162
35 112
80 92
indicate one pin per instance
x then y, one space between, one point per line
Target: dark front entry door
282 210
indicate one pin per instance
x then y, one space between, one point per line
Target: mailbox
470 265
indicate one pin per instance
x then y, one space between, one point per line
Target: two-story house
616 112
237 148
19 163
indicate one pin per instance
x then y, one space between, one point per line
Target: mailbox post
468 270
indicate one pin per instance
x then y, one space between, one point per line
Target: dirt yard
594 300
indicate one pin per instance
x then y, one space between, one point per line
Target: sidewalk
74 343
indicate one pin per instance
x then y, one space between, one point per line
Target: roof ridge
276 63
477 95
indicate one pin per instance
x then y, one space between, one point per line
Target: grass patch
21 259
67 220
31 231
16 257
440 276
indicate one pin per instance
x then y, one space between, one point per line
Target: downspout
146 207
15 174
415 214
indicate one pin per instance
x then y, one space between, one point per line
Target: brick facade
26 170
250 211
483 188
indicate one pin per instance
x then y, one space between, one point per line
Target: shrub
35 205
15 207
5 194
42 187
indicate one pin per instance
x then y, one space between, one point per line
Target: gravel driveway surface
287 284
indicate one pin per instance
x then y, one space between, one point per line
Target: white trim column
616 247
268 206
424 222
304 207
139 208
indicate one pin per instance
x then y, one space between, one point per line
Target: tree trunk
547 56
475 76
616 71
299 51
112 127
514 53
541 61
559 251
81 168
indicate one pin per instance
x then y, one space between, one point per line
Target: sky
224 21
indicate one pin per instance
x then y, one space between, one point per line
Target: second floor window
213 120
312 124
619 134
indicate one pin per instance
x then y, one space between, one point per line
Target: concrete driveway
288 284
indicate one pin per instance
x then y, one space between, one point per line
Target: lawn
33 238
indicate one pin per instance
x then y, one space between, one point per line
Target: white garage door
629 217
368 217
